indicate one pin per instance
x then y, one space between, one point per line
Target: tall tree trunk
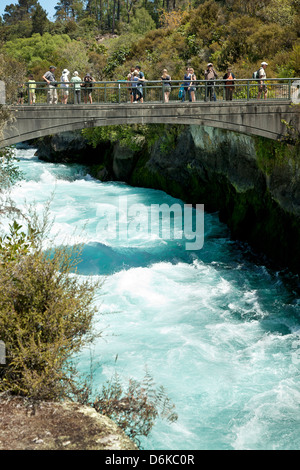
108 16
101 15
118 10
113 17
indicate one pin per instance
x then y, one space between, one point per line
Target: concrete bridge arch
262 118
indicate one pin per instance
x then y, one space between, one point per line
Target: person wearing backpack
87 88
141 82
136 89
229 78
261 76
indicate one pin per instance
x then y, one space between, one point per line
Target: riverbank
30 425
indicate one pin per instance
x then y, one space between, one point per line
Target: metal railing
156 91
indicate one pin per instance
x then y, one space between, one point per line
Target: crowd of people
85 85
136 82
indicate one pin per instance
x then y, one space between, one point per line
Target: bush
136 408
45 316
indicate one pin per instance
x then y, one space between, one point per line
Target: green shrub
46 317
135 408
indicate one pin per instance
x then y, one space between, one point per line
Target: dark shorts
262 88
87 91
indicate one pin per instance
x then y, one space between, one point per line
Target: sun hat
66 71
264 63
208 65
75 73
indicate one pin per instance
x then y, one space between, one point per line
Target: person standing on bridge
136 89
210 75
129 79
21 93
64 86
193 84
141 82
31 89
187 83
229 78
166 79
87 88
49 77
262 88
76 80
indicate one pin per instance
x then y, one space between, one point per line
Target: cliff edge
31 425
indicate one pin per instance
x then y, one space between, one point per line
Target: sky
48 5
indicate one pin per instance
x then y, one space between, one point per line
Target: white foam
215 338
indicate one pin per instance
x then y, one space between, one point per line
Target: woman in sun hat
64 86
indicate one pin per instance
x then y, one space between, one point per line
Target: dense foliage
136 407
107 38
45 318
46 313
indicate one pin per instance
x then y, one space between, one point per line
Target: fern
136 408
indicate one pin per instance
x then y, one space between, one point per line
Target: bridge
249 116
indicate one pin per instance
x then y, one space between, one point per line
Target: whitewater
216 327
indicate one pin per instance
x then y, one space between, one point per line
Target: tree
74 56
23 10
141 22
66 9
38 49
12 72
46 316
40 21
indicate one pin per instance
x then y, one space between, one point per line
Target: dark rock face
67 147
256 193
124 161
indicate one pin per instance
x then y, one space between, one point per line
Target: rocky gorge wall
253 183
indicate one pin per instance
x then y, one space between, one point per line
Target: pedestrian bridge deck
263 118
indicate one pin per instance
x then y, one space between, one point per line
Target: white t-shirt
262 74
64 78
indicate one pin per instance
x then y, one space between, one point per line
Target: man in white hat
262 88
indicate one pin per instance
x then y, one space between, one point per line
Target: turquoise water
215 327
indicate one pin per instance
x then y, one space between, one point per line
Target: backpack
181 92
88 81
255 75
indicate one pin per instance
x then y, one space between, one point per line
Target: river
215 327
